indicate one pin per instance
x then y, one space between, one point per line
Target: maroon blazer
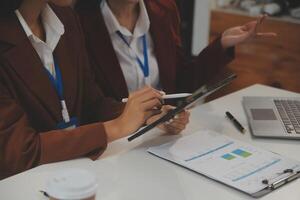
29 105
177 74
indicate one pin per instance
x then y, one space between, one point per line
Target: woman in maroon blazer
50 108
117 33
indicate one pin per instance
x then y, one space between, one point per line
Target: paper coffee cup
72 184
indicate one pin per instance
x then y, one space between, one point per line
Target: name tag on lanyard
143 65
67 123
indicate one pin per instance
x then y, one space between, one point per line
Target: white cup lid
72 184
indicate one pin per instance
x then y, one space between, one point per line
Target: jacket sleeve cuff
226 55
85 141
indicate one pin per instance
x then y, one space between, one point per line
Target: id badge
68 126
147 80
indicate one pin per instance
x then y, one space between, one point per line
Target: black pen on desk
236 123
44 193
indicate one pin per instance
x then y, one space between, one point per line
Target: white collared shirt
54 29
127 56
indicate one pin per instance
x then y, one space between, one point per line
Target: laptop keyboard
289 111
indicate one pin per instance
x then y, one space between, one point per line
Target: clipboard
268 189
277 184
266 176
188 102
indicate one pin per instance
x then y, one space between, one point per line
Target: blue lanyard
144 66
57 83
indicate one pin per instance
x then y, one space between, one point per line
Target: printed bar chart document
252 170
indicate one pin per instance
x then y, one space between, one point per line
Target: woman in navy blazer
176 72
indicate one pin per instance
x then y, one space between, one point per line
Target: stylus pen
168 96
236 123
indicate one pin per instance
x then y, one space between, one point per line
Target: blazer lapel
103 52
66 61
26 63
164 47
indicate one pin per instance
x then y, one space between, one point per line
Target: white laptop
275 117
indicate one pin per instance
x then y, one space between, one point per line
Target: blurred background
274 62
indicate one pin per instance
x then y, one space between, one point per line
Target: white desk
126 171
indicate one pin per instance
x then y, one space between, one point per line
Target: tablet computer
188 102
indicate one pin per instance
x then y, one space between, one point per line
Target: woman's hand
141 105
240 34
176 125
